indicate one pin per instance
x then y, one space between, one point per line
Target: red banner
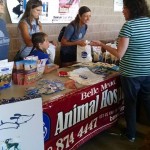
73 119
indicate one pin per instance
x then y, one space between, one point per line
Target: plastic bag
97 54
51 51
84 53
41 67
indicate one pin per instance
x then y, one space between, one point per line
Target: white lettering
82 112
113 117
92 92
59 126
107 85
77 114
108 98
93 107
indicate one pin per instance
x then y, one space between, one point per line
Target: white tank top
25 50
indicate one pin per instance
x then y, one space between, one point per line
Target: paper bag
84 53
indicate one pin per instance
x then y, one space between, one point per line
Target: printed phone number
68 140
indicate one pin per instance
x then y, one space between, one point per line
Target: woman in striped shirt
134 51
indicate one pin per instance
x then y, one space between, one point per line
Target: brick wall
104 25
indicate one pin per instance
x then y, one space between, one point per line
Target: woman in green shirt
133 50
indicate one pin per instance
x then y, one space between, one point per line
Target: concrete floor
111 139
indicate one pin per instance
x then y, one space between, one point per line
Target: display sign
71 120
53 11
118 5
21 125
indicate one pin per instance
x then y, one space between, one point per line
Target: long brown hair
31 4
82 10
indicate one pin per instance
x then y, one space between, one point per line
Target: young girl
40 45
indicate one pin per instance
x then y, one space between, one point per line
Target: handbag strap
33 48
23 49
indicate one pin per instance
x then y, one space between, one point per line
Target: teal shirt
136 60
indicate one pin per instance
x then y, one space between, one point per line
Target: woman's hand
54 43
96 43
81 43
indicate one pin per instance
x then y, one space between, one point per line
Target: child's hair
37 38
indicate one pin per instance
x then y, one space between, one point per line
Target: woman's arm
121 48
25 33
49 69
65 42
68 34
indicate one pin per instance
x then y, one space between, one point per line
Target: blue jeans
132 88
